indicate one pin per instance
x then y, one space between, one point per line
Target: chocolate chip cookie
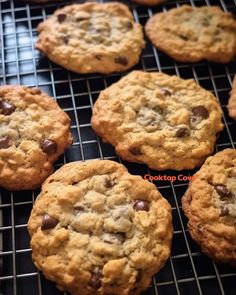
232 100
34 131
98 229
150 2
160 120
210 206
92 37
191 34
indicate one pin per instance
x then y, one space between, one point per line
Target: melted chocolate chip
165 91
5 142
121 60
183 132
98 56
108 183
78 208
61 17
49 222
200 112
185 38
135 151
141 205
65 39
6 108
48 146
222 190
95 280
129 25
224 211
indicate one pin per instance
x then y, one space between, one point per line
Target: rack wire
188 270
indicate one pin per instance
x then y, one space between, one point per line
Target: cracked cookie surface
163 121
92 37
31 139
191 34
210 205
232 101
97 228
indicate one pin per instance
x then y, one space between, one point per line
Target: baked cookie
232 101
34 132
210 205
191 34
92 37
98 229
160 120
150 2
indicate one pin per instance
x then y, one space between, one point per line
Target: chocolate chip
48 146
5 142
185 38
95 280
65 39
165 91
129 25
141 205
6 108
222 190
48 222
61 17
78 208
200 112
121 60
98 56
135 151
108 183
224 211
183 132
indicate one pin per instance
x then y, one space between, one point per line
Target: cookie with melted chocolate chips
92 38
96 228
210 205
160 120
191 34
34 132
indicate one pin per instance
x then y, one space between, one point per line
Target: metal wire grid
188 270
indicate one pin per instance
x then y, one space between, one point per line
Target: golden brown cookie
92 37
34 132
98 229
210 205
160 120
232 100
191 34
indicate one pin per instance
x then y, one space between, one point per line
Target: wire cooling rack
188 271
